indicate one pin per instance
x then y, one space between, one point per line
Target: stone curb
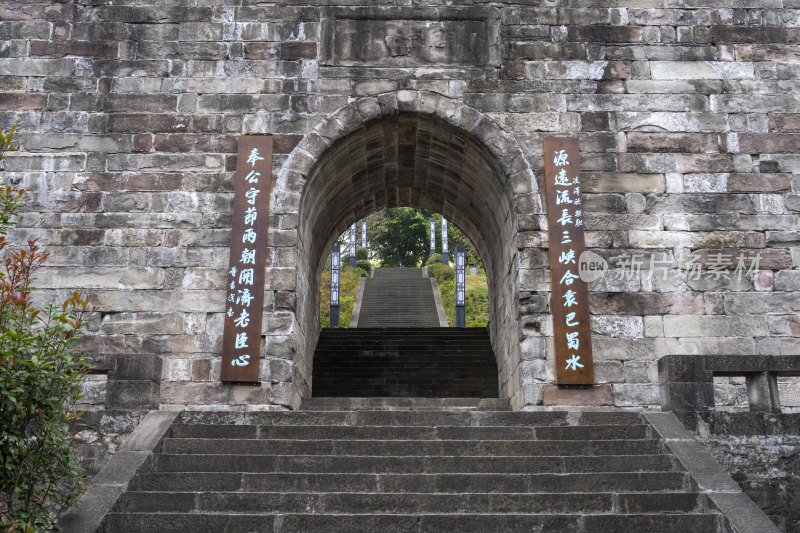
439 307
113 478
357 306
741 513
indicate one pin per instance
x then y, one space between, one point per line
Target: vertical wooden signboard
569 298
241 341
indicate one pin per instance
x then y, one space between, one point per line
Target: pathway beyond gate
398 297
399 350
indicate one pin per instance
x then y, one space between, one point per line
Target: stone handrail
687 381
133 380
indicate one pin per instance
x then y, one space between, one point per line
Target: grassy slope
349 278
477 297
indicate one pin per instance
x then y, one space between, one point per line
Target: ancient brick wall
760 451
686 112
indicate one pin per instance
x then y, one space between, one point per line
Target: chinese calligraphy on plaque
569 298
241 342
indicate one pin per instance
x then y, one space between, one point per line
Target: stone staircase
413 469
405 362
398 297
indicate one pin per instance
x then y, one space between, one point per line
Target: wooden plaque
569 295
241 341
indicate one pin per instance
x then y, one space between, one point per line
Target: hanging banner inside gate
241 341
569 295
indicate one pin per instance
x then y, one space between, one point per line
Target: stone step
407 503
383 417
396 272
409 362
356 350
567 433
417 404
412 374
389 301
381 368
396 332
414 319
397 297
417 482
384 379
351 351
411 523
411 464
411 447
405 392
453 355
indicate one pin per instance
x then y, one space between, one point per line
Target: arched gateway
413 148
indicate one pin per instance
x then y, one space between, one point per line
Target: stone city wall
686 112
761 452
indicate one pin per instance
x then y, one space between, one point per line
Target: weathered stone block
596 395
715 326
687 397
781 122
682 368
135 367
628 394
701 70
623 182
618 326
142 323
758 182
745 259
672 142
769 143
646 303
406 43
131 394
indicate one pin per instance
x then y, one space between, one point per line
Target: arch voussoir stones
476 179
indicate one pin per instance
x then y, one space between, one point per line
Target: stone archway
413 148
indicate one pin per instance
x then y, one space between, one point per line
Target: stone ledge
741 513
112 480
596 395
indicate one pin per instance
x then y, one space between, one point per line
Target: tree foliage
456 237
399 237
40 381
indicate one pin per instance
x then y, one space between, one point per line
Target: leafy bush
433 259
364 266
362 261
441 272
41 381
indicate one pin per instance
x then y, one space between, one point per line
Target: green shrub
364 266
40 382
441 272
434 259
362 254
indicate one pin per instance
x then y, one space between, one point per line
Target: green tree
40 382
398 237
456 237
